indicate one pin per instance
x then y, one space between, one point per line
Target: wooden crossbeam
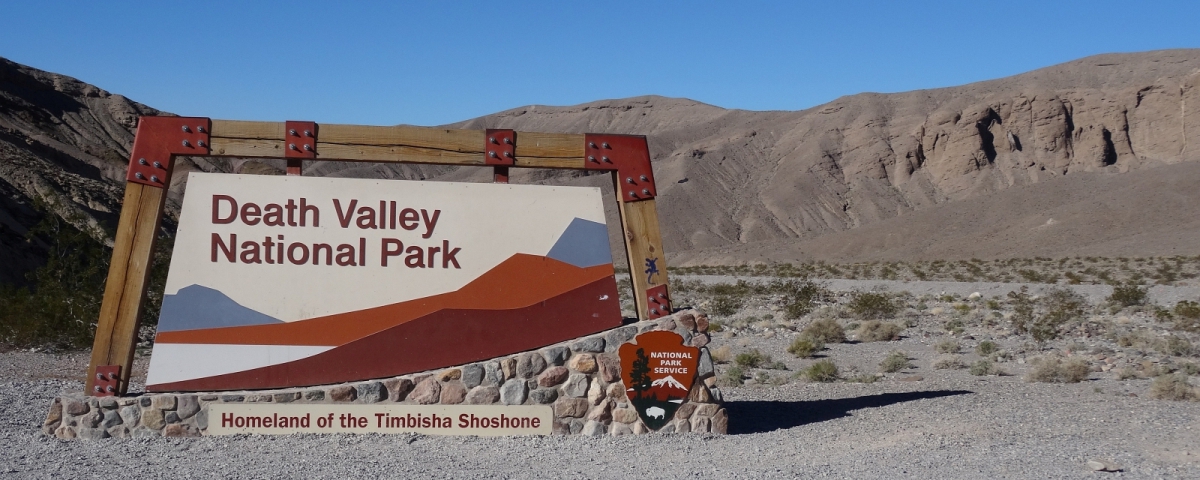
398 144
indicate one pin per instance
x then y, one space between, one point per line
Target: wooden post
643 248
125 289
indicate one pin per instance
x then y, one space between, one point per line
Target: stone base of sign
580 379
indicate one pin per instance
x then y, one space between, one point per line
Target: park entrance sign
293 281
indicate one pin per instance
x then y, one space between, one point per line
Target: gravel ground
916 423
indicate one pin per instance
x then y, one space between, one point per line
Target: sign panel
290 281
658 371
282 419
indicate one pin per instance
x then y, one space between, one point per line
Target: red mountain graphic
518 282
525 303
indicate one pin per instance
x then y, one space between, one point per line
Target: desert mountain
1058 161
1090 157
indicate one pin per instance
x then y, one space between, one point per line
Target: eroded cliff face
733 177
727 178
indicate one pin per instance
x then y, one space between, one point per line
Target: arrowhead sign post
658 371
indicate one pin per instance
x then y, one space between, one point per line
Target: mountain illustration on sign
658 371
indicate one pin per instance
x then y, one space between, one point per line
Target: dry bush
948 346
949 362
1057 370
825 330
986 347
804 347
725 305
868 305
1174 387
1187 316
1128 295
822 371
1174 345
722 354
895 362
985 367
800 297
877 331
732 377
864 378
752 359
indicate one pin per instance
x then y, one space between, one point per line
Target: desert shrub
825 331
1188 368
1023 308
955 326
732 377
984 367
1175 345
804 347
1057 370
721 354
821 371
715 326
1188 309
1128 295
985 348
752 359
1174 387
1061 306
895 362
877 331
948 362
872 305
864 378
993 304
948 346
801 296
725 305
1187 316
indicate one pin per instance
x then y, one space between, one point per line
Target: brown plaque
658 371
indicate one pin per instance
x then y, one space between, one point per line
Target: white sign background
489 222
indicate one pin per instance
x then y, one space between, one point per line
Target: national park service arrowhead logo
658 371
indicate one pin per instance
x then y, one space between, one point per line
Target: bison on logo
658 371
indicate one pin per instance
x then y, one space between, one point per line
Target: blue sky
433 63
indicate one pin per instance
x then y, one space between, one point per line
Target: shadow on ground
759 417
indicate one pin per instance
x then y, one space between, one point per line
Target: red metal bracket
301 139
629 156
157 139
658 301
500 147
108 381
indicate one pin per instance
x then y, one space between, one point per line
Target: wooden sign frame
160 139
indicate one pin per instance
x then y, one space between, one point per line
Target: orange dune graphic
518 282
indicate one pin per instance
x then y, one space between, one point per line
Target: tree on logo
640 373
